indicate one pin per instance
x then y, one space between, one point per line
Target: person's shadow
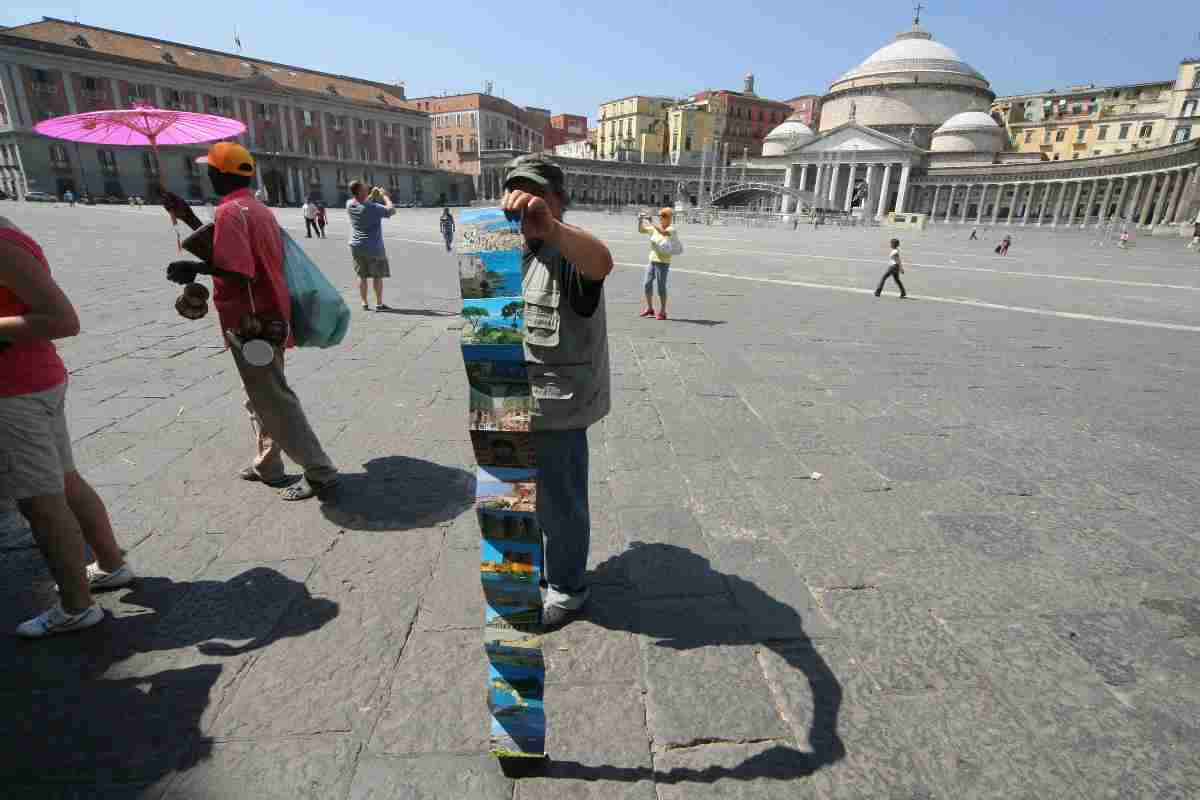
98 712
398 493
762 620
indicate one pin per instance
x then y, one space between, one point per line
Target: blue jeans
562 507
656 271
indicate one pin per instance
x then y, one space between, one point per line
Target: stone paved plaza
991 591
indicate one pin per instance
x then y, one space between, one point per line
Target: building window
1080 134
458 143
39 76
1124 132
310 147
1196 79
1060 136
58 156
1182 134
340 151
337 123
108 161
264 111
307 119
314 176
1189 108
342 180
364 154
1146 131
1046 137
364 126
1101 133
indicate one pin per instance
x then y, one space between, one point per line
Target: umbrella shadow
760 620
99 711
397 493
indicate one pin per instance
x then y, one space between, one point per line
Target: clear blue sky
568 60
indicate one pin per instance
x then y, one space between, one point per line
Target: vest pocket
541 324
552 383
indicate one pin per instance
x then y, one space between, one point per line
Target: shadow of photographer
397 493
755 619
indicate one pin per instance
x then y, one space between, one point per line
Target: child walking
895 269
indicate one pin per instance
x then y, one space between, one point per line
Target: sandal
251 474
306 489
649 312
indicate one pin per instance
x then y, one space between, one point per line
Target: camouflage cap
536 168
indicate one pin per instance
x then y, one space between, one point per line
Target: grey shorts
370 265
656 271
35 448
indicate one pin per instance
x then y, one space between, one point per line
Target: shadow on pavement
679 624
417 312
398 493
76 720
708 323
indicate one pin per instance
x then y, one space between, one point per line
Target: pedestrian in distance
367 209
974 235
1002 248
37 469
309 210
566 354
249 288
1194 244
894 271
447 224
661 235
321 217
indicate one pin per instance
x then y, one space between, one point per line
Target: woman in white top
309 210
660 260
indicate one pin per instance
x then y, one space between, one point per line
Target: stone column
1102 217
803 180
785 199
937 193
325 149
850 176
1180 181
834 171
1059 203
1075 203
1128 198
1033 187
1161 207
866 206
1147 205
1012 204
966 203
902 196
1191 188
983 189
996 203
885 188
950 203
1091 199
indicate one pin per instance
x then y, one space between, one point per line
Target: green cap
536 168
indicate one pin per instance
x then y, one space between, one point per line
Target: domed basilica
909 131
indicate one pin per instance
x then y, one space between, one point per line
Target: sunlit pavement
960 529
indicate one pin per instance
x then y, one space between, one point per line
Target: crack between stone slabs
386 690
338 733
709 741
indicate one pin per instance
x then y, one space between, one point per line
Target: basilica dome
970 131
787 136
907 88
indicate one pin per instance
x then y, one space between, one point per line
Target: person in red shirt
37 469
247 275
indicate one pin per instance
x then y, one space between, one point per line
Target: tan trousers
279 423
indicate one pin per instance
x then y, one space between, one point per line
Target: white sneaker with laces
99 580
54 620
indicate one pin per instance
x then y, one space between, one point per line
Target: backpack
320 316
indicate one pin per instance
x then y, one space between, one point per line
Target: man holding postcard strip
566 354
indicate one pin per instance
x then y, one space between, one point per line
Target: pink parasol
141 125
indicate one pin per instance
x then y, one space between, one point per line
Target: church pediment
851 137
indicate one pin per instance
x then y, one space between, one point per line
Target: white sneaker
99 580
54 621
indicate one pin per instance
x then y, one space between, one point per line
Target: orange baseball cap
230 158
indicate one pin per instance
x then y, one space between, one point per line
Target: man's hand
537 222
186 271
178 208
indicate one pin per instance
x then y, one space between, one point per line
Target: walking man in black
894 271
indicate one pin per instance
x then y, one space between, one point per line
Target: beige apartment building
633 129
1085 121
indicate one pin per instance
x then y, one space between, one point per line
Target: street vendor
249 289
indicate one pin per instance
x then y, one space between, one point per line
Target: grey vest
566 354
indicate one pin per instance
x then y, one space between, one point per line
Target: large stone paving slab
843 548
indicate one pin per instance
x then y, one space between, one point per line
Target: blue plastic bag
320 316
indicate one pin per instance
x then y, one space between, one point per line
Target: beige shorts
370 265
35 448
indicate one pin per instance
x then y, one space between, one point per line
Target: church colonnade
832 184
1147 199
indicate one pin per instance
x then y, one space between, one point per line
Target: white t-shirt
310 211
895 257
